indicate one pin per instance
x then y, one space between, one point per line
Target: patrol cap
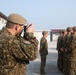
74 28
16 18
69 29
44 32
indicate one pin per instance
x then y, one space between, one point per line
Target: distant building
38 34
3 20
54 34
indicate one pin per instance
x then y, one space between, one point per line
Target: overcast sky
44 14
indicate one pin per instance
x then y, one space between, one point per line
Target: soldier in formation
69 52
43 51
70 68
61 51
15 50
67 38
58 49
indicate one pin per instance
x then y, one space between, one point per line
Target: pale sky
44 14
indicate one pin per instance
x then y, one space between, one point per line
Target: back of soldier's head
44 32
63 31
74 28
69 29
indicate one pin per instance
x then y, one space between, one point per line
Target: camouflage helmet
44 32
69 29
74 28
16 18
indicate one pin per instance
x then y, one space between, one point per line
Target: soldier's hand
30 28
65 49
61 49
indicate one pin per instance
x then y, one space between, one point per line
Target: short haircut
10 24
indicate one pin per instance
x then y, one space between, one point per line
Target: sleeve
46 45
23 50
16 50
30 46
72 42
61 42
66 42
58 43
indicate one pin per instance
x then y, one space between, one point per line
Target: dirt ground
51 65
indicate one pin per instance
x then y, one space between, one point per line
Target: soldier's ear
16 27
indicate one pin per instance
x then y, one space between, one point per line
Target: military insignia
27 42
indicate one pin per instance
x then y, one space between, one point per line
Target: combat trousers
70 66
60 61
70 69
43 63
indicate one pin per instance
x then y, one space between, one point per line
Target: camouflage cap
44 32
69 29
16 18
74 28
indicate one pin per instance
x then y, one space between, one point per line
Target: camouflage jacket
43 46
58 42
72 43
67 39
14 52
62 42
72 48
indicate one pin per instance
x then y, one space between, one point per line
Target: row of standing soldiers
66 47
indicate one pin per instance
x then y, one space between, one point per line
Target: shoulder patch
26 42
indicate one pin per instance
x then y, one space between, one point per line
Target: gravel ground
51 65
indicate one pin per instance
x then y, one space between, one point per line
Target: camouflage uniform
14 52
71 56
58 49
67 38
66 50
61 52
43 53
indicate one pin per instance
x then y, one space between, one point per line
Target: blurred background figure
43 51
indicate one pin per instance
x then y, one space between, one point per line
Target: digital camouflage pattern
14 52
66 47
62 45
71 57
43 46
59 52
67 38
31 46
43 53
67 44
